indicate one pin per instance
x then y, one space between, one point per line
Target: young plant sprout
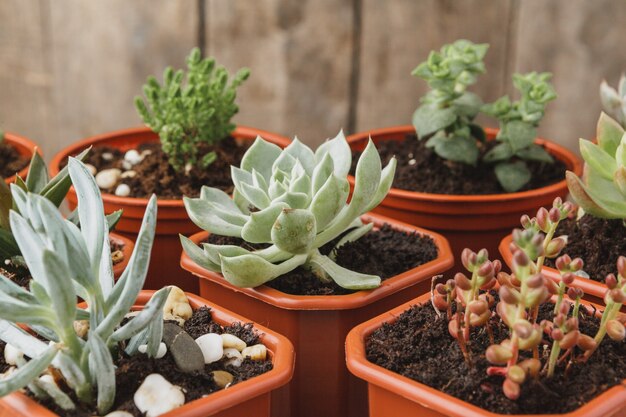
446 116
295 200
602 190
614 100
67 262
188 115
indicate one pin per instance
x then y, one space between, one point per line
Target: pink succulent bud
520 258
480 319
554 215
562 262
567 209
542 218
565 307
577 264
547 326
498 354
610 281
537 240
572 323
482 255
523 329
575 293
450 283
511 389
568 278
555 246
621 266
531 366
441 289
489 284
586 342
535 281
453 328
557 334
488 298
559 320
462 281
516 374
486 269
557 202
440 302
509 295
497 266
552 287
617 295
525 221
478 307
615 330
570 339
465 258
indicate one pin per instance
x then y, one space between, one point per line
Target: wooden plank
25 80
581 42
397 35
102 53
300 56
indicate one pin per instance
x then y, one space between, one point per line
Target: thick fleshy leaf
535 153
248 271
60 289
215 252
57 188
101 362
294 200
22 340
386 180
17 311
37 174
11 289
260 156
284 162
322 171
592 203
259 226
429 119
455 148
197 255
300 184
512 175
520 135
339 151
500 152
23 375
328 202
620 180
258 198
219 198
294 231
620 153
153 310
608 133
302 153
30 245
345 278
200 213
603 163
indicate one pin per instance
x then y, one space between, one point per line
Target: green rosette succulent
295 201
614 100
601 191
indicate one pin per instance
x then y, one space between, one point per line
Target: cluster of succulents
295 201
191 109
602 190
446 116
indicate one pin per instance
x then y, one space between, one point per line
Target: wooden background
70 68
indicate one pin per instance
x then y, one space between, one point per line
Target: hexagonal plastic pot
248 398
172 218
479 219
393 395
25 147
318 325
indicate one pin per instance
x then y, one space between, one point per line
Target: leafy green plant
446 116
602 190
189 114
614 100
67 262
295 200
37 182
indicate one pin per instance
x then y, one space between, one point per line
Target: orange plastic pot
318 325
594 290
476 220
248 398
127 250
172 218
25 147
393 395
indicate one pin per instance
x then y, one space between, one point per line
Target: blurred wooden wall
70 68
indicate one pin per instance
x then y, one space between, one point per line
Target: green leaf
6 202
101 362
518 134
340 153
258 228
512 175
197 255
60 290
608 133
57 188
386 180
500 152
294 231
535 153
257 197
37 177
22 340
153 310
200 212
468 105
260 156
23 375
598 159
345 278
218 197
302 153
113 219
457 149
328 201
429 119
249 271
591 202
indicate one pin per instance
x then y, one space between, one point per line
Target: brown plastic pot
481 220
393 395
594 290
318 325
127 250
24 147
172 218
248 398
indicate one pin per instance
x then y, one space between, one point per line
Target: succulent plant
37 182
295 201
614 100
601 191
190 115
448 110
67 262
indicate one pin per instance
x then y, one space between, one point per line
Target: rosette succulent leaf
65 263
294 201
601 191
614 100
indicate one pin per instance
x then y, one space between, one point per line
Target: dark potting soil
421 169
11 161
385 252
156 176
131 371
598 242
418 346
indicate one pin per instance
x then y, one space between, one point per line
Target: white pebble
92 169
157 396
231 341
107 156
119 414
12 354
127 165
129 174
412 162
256 352
133 157
122 190
161 351
211 346
146 153
235 358
107 178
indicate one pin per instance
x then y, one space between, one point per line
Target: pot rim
280 348
101 139
572 162
24 147
604 404
441 263
589 286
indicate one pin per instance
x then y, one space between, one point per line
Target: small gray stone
185 351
